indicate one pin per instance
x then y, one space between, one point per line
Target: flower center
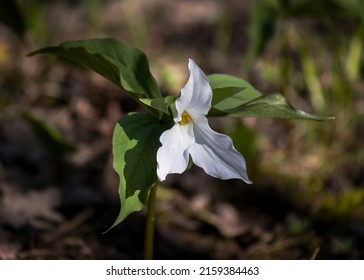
185 118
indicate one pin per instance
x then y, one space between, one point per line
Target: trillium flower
192 136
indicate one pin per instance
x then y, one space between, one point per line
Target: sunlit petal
192 135
215 153
196 94
173 155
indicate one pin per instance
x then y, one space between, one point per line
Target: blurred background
58 190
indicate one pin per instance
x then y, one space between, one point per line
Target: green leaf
229 92
135 145
116 60
272 106
162 104
235 97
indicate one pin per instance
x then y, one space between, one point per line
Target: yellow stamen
185 118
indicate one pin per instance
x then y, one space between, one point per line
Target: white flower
192 135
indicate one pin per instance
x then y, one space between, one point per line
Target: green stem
309 70
149 230
352 66
312 79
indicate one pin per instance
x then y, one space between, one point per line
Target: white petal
173 155
196 94
215 153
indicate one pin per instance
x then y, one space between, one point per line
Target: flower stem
149 230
